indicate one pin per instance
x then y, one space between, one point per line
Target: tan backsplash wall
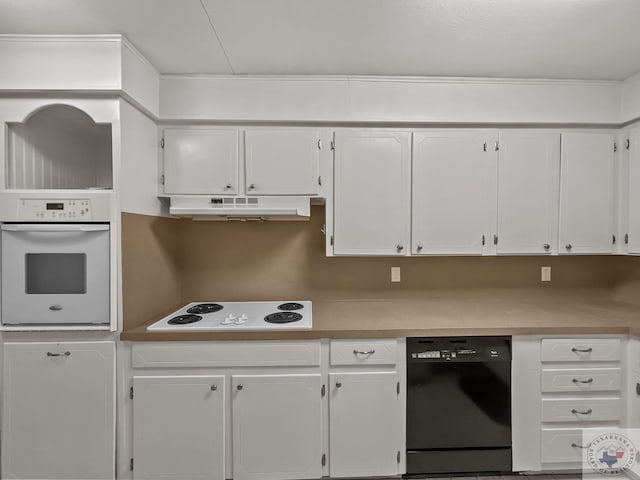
151 279
168 262
283 260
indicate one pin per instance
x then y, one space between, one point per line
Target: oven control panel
58 210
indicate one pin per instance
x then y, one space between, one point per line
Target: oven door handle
45 227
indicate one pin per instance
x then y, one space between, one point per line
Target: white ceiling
591 39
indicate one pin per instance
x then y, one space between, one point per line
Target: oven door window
56 273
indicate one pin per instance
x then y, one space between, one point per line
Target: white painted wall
60 62
140 79
388 100
630 98
109 63
78 63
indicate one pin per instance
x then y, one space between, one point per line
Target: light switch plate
545 274
395 274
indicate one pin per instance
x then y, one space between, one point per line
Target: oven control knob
243 319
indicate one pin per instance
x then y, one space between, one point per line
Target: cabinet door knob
546 246
338 384
63 354
419 248
252 186
399 247
240 386
568 246
214 388
228 186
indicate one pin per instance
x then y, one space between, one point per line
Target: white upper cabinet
200 161
454 185
634 191
586 193
372 182
208 161
178 427
282 162
528 189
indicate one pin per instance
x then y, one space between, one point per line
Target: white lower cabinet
58 410
365 415
267 410
178 427
277 426
562 388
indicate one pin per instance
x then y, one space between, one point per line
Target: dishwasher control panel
459 349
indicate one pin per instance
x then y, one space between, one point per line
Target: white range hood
241 208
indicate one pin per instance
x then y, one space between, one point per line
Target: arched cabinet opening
59 147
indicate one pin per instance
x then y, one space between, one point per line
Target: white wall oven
55 274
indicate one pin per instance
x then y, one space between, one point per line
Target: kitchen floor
571 476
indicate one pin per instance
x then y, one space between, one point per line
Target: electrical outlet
545 274
395 274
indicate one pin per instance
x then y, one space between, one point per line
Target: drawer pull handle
360 352
587 412
575 445
582 350
63 354
589 380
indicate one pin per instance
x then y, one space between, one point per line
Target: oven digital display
55 206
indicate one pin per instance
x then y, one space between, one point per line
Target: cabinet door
200 161
586 193
528 189
453 191
58 410
282 162
365 418
372 184
634 191
277 422
178 427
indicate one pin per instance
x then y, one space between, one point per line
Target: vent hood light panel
245 209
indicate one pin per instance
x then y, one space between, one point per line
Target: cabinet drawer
226 354
560 445
581 380
580 409
580 350
364 352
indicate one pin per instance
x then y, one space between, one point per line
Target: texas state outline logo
611 454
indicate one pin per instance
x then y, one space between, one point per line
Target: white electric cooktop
231 316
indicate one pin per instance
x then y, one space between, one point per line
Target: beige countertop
445 313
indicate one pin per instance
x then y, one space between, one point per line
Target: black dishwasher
458 405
